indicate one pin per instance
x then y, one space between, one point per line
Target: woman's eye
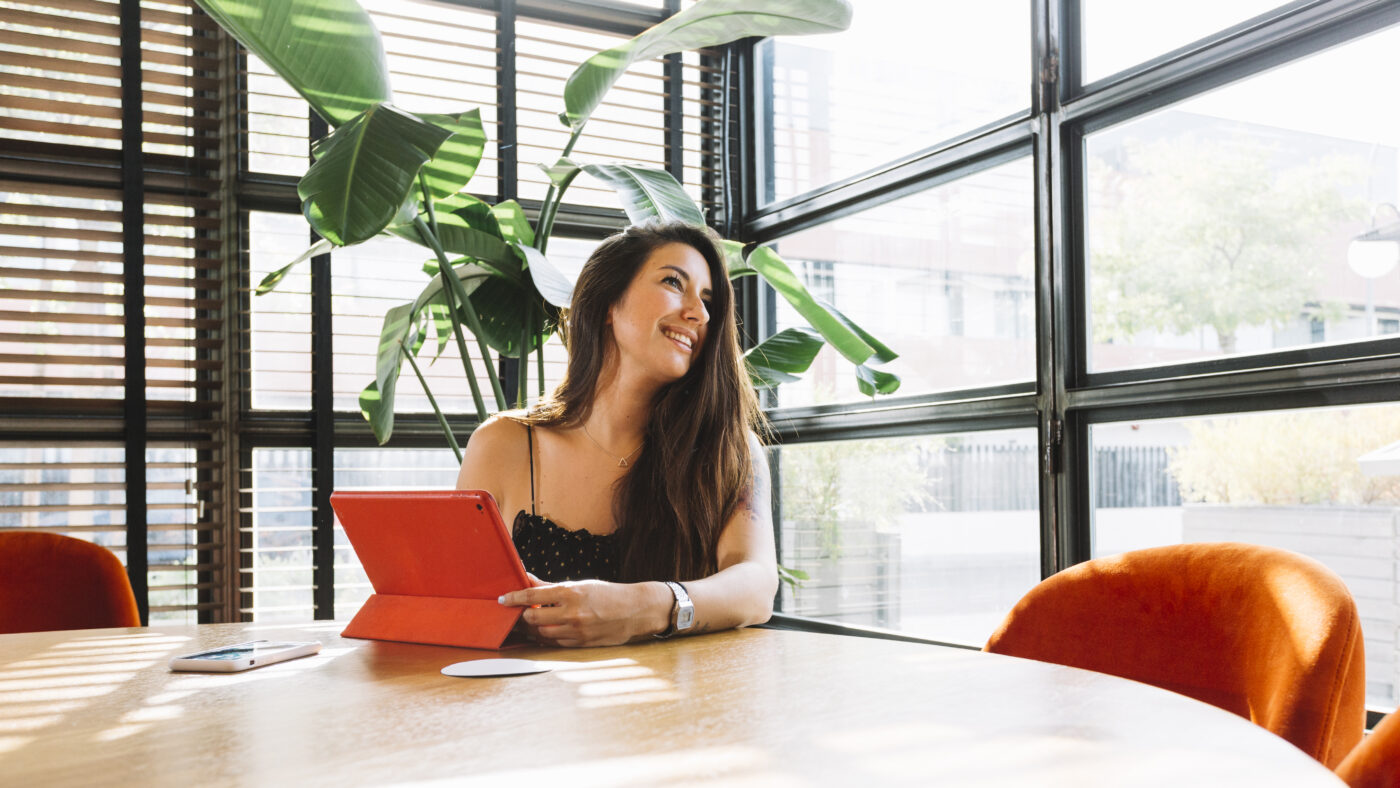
673 281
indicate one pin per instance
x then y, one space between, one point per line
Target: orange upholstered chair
50 581
1375 762
1270 635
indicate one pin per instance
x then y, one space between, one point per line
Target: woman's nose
695 309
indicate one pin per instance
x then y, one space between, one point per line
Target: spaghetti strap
530 439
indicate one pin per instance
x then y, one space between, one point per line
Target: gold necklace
621 461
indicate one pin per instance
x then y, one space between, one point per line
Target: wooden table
752 707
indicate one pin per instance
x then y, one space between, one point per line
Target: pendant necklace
621 461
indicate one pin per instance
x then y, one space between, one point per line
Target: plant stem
447 293
552 198
523 390
539 367
454 283
442 420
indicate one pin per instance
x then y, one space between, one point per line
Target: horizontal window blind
274 514
629 126
63 327
442 59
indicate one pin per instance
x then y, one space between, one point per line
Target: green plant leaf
431 303
272 280
502 308
834 329
377 400
552 284
870 381
466 226
882 355
365 171
456 161
648 193
561 173
328 50
734 261
378 409
706 24
392 337
783 356
514 226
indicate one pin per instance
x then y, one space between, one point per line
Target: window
1309 481
1192 234
944 277
934 535
111 322
1219 223
901 79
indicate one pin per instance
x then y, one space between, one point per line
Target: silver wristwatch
682 613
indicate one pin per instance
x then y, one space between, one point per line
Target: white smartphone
242 656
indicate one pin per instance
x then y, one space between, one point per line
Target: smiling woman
642 470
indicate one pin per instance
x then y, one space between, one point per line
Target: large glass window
903 77
1324 483
1241 221
934 535
945 278
1118 35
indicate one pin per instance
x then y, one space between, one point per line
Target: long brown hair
694 462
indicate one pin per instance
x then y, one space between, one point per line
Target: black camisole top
555 554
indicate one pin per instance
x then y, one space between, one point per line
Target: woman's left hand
588 612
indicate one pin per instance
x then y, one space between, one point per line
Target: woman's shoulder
501 430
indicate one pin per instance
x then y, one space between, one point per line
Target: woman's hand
592 612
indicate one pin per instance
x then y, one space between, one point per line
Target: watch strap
681 599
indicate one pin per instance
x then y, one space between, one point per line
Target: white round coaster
479 668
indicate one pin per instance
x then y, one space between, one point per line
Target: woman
642 467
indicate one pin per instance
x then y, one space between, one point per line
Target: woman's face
659 324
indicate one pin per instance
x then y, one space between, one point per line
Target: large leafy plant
385 170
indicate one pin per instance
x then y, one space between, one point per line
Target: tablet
438 560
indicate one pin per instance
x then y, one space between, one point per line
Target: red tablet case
437 560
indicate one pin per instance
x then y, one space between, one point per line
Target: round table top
748 707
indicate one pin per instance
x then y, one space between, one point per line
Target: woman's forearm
736 596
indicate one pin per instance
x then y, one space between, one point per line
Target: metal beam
134 303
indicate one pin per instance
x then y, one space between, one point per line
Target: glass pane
1225 224
629 125
380 469
904 77
279 122
1118 35
280 323
945 278
946 559
276 528
1324 483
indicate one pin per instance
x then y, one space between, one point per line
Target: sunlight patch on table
85 667
606 674
24 724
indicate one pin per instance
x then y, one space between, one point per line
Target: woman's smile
685 341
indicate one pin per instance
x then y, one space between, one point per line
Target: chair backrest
1375 762
1268 634
51 581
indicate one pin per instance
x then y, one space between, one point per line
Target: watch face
685 617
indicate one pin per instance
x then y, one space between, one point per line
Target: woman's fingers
540 595
545 616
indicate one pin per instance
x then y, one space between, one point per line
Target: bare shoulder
495 455
501 433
